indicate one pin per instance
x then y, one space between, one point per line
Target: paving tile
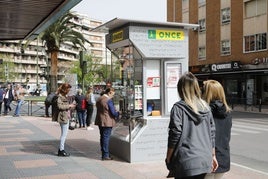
34 163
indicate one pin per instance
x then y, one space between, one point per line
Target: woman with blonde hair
213 93
191 137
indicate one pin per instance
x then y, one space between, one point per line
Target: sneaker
90 128
71 128
107 158
62 153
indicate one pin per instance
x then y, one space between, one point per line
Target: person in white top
91 104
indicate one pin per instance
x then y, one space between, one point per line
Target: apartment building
30 63
230 45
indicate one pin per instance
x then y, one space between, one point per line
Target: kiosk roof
117 22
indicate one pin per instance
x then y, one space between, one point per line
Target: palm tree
60 31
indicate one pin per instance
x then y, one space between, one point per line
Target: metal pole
174 10
106 65
37 61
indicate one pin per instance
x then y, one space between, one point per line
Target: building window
202 52
255 42
261 41
225 47
201 2
202 25
255 8
225 15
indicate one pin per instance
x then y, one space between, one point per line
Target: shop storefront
243 84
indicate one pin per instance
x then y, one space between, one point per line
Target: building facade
31 63
230 45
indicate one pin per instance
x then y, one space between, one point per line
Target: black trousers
201 176
90 109
7 105
47 105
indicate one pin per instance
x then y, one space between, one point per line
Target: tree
7 69
95 70
60 31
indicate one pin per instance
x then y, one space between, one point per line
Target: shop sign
157 43
257 61
117 36
166 34
225 66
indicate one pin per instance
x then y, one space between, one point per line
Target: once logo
166 34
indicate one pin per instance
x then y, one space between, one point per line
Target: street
249 157
249 141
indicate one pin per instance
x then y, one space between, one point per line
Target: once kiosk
153 56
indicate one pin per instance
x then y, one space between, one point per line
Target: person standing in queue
106 119
191 136
64 116
213 94
91 103
80 100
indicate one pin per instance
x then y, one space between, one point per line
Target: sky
106 10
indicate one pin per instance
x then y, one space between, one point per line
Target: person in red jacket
106 120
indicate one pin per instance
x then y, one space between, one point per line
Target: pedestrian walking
8 98
213 93
2 93
48 102
106 120
19 93
191 136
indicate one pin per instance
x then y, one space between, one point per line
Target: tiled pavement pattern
28 150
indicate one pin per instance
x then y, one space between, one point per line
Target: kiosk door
172 72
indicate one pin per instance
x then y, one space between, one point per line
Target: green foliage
8 72
59 32
62 31
96 71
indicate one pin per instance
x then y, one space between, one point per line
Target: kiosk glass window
129 78
130 92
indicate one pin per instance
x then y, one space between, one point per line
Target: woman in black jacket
213 93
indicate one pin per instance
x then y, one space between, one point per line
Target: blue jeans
64 132
17 110
105 134
81 118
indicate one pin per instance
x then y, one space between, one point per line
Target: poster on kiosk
152 57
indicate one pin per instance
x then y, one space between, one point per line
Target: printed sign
166 34
153 81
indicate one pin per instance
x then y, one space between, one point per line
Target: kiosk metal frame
153 55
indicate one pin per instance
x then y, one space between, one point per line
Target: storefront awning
26 19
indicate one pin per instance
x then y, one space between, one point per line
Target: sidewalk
28 149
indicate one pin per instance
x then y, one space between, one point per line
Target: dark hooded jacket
223 123
192 136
